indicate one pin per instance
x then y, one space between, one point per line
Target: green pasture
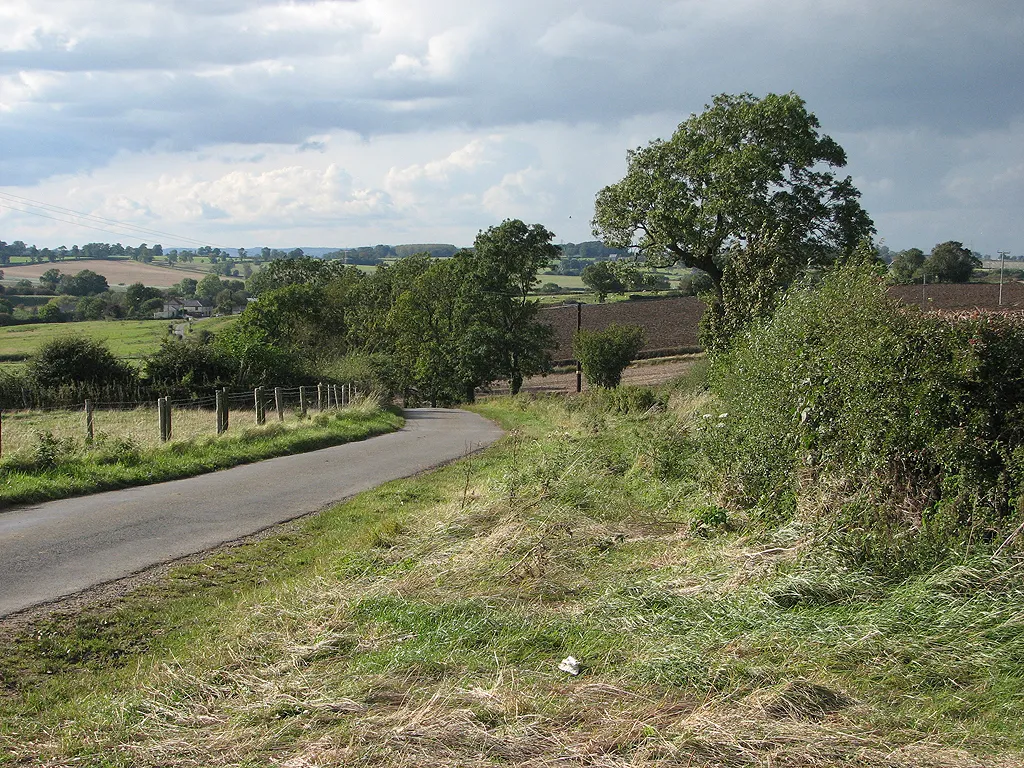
131 339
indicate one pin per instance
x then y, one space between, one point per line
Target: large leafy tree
505 334
950 262
430 322
745 171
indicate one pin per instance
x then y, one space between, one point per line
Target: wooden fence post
261 411
163 410
222 422
302 401
320 397
88 422
279 403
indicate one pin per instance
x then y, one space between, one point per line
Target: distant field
117 272
129 339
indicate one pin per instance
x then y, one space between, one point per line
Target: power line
65 221
138 230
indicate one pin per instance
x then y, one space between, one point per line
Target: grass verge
60 467
423 624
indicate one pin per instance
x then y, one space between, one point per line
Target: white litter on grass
570 665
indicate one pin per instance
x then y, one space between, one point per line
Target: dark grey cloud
221 73
915 92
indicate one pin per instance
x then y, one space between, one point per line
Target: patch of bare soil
642 373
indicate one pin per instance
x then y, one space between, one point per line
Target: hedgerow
895 433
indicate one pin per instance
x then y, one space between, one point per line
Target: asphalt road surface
58 548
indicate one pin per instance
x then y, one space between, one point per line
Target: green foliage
695 283
906 265
510 342
430 323
602 279
51 451
257 359
136 297
76 359
744 171
604 355
84 283
209 287
950 262
300 271
189 366
896 432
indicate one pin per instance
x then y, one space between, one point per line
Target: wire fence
150 423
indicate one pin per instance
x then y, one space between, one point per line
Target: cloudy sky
344 123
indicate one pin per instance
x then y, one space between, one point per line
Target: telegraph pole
1002 260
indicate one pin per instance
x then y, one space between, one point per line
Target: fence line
145 421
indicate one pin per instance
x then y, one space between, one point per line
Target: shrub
605 354
192 366
896 432
51 451
76 360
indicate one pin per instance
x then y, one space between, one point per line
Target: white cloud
443 113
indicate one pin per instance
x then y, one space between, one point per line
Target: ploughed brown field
670 325
959 296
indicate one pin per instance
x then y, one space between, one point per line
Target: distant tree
51 312
602 279
187 287
503 267
137 295
604 355
90 308
695 282
85 283
906 265
50 278
430 323
950 262
209 287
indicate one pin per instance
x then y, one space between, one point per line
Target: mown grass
423 624
129 339
60 467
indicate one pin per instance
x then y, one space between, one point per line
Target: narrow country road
59 548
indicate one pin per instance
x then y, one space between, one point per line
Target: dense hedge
896 433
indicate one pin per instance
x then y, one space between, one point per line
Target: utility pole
1002 260
579 365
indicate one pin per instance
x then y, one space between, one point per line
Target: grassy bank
60 467
423 624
